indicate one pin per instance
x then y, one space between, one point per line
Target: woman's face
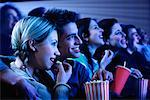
95 32
47 51
117 37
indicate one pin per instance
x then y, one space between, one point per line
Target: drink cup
121 76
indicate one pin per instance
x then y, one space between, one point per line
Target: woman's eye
54 43
116 33
96 27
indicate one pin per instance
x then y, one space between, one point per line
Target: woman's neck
31 66
92 49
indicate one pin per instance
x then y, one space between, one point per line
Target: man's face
69 41
133 36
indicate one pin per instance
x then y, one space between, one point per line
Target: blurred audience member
144 49
38 12
9 15
115 38
136 49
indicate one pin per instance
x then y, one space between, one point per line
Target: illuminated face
96 37
117 37
47 51
133 35
69 41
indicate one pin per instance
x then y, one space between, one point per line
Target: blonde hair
29 28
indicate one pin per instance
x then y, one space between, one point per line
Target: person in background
9 15
116 39
92 38
39 12
34 40
135 48
144 48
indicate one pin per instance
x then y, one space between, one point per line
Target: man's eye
70 37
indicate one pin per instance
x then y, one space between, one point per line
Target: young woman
35 40
115 38
92 38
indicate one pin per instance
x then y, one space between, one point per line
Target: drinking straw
124 65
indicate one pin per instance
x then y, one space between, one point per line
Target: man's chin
77 55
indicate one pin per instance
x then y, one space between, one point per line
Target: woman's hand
63 75
103 75
107 75
107 58
136 73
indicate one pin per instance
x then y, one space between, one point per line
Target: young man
69 43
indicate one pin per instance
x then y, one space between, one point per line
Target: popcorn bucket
97 90
142 88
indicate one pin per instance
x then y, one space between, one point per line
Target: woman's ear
32 45
85 37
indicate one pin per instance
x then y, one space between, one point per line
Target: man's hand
136 73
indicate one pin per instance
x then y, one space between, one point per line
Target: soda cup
121 75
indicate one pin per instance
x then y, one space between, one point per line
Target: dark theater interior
75 49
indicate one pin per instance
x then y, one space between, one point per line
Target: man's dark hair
126 28
60 18
37 12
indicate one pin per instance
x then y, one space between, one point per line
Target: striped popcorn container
97 90
142 88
